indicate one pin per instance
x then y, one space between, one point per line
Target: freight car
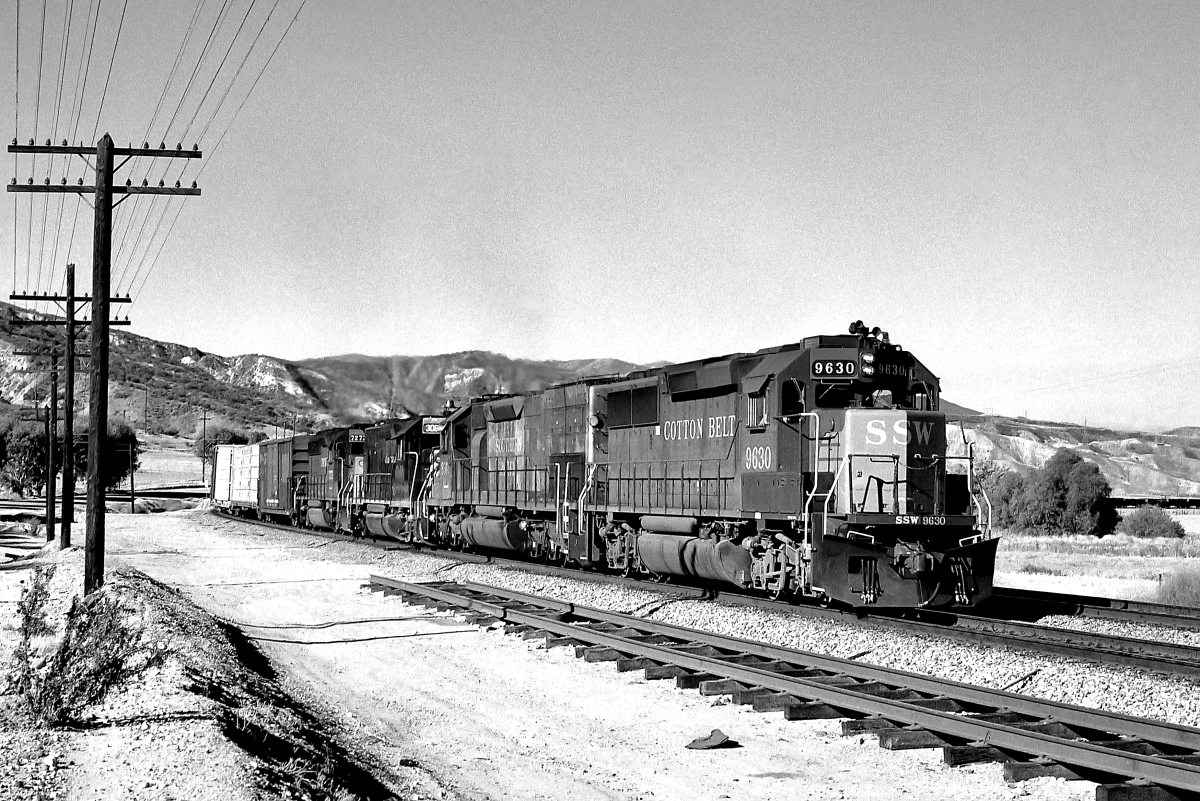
815 470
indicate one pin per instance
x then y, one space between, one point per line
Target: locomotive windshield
861 395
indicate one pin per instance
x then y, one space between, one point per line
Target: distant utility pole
51 421
204 447
71 325
103 153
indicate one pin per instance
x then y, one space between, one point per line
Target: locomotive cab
894 517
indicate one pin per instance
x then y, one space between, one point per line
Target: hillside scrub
1151 521
1067 496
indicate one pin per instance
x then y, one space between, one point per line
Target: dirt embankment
138 693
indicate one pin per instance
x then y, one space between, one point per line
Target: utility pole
51 447
104 153
204 447
72 326
51 433
68 501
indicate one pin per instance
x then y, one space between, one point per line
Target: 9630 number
834 368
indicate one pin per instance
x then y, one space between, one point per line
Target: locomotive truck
814 470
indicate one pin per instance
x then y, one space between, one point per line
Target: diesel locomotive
814 470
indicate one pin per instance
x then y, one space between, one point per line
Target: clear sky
1010 189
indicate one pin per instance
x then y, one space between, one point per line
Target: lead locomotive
817 469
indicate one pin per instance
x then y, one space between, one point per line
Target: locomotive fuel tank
674 555
488 532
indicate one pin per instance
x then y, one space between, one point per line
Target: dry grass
1181 588
1112 545
103 644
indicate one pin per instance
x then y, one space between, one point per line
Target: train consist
813 470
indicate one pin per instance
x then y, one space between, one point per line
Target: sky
1009 189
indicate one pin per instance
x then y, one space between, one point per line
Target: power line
1137 372
77 107
68 20
111 61
127 224
37 110
228 126
153 204
203 52
245 58
220 66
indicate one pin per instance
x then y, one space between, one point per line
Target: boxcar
283 476
235 478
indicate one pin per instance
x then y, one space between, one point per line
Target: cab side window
791 400
758 410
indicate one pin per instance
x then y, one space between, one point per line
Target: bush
1067 496
1181 588
219 435
1140 448
1151 521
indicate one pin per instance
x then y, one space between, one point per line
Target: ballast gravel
1112 688
1122 628
1108 687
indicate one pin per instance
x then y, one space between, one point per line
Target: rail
907 710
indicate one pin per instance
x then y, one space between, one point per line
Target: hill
1136 464
166 388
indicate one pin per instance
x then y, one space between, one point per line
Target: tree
1009 500
1068 495
1087 509
24 470
23 447
1151 521
219 435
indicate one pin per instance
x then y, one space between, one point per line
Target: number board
834 364
433 425
357 435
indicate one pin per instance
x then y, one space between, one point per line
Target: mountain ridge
175 388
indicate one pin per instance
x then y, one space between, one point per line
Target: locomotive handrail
657 491
877 457
833 486
972 490
412 489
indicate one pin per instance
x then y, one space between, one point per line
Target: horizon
1008 190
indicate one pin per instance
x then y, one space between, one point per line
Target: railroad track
1169 658
1037 603
1131 758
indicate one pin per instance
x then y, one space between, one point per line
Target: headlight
868 370
868 357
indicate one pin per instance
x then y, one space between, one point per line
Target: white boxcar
235 477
